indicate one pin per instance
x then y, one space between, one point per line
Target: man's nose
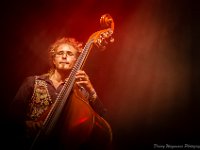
64 55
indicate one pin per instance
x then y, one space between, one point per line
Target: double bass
71 117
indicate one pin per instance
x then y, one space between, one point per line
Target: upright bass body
82 127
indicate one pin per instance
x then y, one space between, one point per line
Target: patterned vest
40 100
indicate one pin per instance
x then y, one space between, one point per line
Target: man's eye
60 53
70 54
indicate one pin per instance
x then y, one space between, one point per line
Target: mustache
66 62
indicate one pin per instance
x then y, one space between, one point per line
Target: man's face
65 57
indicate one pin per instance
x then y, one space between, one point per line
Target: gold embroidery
40 100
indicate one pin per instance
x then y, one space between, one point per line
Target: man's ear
53 62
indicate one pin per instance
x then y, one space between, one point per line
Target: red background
148 78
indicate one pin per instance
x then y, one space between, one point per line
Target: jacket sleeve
98 106
18 107
95 103
17 113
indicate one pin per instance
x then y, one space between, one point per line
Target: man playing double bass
38 93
